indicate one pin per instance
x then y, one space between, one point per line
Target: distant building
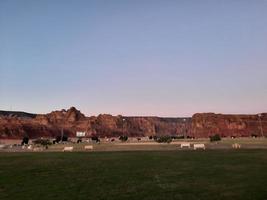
80 134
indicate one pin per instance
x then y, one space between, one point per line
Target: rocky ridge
18 124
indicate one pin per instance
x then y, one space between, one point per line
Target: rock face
207 124
44 125
147 126
18 124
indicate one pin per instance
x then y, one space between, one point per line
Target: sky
134 57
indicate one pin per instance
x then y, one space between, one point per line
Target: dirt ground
132 145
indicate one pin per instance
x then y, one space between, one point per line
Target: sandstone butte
14 125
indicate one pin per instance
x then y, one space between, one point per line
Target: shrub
25 140
59 138
123 138
43 142
163 139
64 138
95 138
215 138
190 137
177 137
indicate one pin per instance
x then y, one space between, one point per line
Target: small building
80 134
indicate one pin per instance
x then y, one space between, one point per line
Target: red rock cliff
207 124
18 124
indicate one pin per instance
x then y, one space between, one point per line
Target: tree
254 135
25 140
64 138
123 138
43 142
96 139
215 138
164 139
58 139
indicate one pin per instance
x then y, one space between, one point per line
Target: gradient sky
134 57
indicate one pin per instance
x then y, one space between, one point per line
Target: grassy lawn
217 174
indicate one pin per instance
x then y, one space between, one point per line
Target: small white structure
236 146
88 147
186 144
29 147
199 146
80 134
68 149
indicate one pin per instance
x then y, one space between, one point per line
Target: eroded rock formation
18 124
207 124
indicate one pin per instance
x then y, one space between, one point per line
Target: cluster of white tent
195 146
71 148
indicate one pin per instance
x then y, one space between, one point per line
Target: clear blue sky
134 57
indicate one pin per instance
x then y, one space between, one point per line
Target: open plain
148 175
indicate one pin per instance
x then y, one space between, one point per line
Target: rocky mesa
17 124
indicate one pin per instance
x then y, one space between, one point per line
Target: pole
123 126
184 129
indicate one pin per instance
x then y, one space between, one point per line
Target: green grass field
212 174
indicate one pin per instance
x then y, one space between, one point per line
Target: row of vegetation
123 138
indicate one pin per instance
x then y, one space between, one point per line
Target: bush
190 137
58 139
123 138
177 137
164 139
96 139
25 140
63 139
43 142
215 138
254 135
